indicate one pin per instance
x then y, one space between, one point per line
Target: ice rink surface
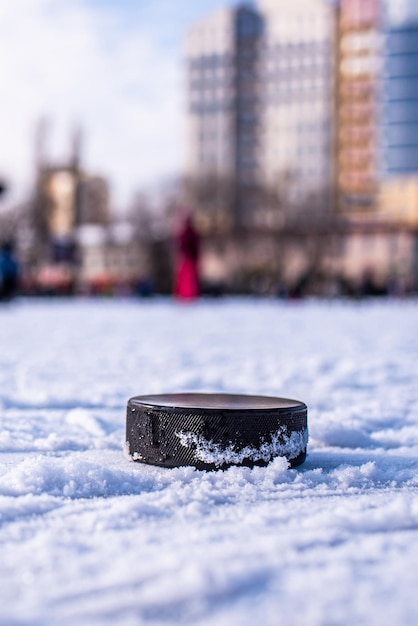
89 538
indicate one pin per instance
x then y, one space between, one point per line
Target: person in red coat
187 278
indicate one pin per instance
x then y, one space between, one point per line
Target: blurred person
9 271
145 287
187 276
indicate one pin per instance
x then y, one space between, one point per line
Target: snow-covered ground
88 538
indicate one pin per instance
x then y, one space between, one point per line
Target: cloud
115 68
75 64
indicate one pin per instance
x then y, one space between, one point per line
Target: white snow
89 538
280 445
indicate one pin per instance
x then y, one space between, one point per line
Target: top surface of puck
217 401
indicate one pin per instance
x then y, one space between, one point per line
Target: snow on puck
211 431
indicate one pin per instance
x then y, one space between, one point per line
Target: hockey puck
212 431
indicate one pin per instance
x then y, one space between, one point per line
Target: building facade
316 103
399 117
377 110
260 105
211 96
297 139
224 110
67 198
358 57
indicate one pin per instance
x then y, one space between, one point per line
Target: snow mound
89 538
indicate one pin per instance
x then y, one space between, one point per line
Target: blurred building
399 119
260 105
358 56
109 263
66 198
298 107
224 101
377 111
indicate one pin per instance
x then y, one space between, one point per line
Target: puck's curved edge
201 403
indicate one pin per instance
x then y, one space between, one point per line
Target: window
402 65
402 112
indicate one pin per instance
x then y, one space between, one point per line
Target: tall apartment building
377 110
357 96
297 140
211 96
224 115
260 105
399 118
315 100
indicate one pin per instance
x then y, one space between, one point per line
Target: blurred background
285 134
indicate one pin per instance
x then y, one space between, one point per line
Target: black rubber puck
211 431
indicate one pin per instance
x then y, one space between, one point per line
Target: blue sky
113 67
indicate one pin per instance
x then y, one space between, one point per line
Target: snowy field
89 538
